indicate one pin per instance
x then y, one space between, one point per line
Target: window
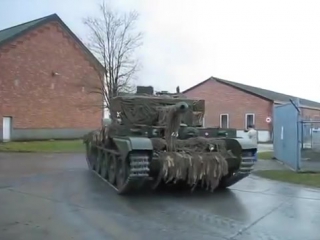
250 120
316 121
224 120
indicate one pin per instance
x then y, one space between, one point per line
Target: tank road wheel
123 170
95 159
92 158
88 148
89 154
112 166
104 165
99 160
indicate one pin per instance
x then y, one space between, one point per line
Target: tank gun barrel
180 107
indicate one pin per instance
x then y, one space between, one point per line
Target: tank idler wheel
99 160
104 165
123 170
112 167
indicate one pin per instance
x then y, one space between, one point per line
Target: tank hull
130 164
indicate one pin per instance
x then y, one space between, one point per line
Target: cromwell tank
159 139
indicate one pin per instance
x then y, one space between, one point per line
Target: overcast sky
273 44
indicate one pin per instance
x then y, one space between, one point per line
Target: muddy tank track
123 176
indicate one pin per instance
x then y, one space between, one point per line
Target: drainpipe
299 136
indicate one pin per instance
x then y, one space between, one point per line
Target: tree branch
114 40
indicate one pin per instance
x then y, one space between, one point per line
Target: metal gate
287 130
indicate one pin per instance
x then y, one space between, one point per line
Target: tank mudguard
128 144
246 143
235 147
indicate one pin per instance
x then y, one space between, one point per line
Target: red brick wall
26 82
311 114
223 99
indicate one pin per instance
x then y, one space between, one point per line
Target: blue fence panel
287 132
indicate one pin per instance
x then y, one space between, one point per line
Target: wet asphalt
55 197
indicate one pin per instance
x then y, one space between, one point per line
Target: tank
158 139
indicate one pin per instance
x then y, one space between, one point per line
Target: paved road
265 147
55 197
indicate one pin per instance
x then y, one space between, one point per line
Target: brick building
234 105
42 66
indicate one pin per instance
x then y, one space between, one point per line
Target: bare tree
113 39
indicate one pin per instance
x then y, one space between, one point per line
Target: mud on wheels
125 175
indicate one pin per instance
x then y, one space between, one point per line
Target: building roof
10 34
260 92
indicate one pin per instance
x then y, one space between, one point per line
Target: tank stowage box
158 140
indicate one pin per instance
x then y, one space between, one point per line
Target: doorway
6 129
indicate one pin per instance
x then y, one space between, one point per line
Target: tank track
138 173
135 177
244 171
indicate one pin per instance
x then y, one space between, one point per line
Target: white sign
175 134
268 119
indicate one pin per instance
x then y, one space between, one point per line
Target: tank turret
147 109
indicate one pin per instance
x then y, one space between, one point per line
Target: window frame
246 119
228 120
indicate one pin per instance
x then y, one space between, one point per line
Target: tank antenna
178 89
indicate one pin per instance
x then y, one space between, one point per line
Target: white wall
263 135
106 113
